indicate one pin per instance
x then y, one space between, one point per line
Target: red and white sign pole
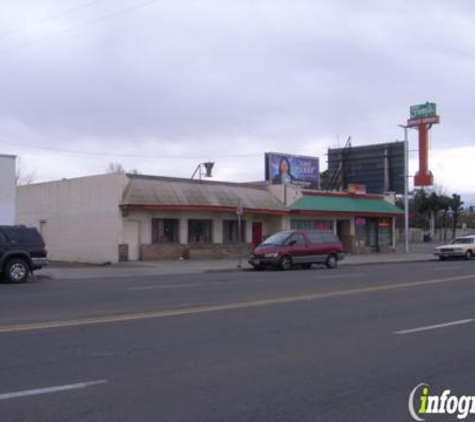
423 176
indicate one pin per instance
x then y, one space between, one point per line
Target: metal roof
346 204
164 191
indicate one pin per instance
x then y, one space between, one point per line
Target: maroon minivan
298 247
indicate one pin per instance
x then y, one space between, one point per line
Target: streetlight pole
406 189
239 211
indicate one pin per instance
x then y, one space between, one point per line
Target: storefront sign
356 189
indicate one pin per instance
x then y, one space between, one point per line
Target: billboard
292 169
380 167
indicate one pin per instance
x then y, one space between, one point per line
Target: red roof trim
345 213
342 195
211 208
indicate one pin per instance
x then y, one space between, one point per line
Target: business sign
422 111
423 121
292 169
423 116
356 189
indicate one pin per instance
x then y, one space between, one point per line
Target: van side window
298 238
329 237
315 238
3 240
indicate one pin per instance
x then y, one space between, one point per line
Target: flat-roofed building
119 217
7 189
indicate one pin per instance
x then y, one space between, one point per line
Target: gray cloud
213 77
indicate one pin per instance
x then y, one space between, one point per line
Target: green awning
345 204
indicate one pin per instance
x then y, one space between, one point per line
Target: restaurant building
120 217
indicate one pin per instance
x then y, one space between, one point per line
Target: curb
408 261
39 276
344 263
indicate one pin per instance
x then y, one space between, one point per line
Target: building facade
7 189
118 217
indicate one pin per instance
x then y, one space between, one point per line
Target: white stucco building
118 217
7 189
115 217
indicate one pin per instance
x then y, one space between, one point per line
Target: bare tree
117 168
23 177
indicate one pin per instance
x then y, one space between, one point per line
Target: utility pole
406 189
239 211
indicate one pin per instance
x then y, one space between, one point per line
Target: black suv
22 250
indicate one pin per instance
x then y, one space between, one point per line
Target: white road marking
434 327
49 390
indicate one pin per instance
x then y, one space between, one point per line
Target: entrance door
132 235
373 235
343 231
256 234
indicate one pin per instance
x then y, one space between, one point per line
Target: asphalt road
305 345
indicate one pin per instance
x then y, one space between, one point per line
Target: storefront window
230 231
373 232
165 230
361 235
200 231
384 232
311 225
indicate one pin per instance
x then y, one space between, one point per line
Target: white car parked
460 247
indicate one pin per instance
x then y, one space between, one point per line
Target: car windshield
462 240
277 239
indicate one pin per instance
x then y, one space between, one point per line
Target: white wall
80 219
287 194
7 189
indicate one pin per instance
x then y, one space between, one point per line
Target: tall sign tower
422 117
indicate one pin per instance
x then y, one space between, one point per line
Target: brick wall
175 251
157 252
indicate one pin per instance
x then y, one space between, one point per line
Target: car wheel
17 270
286 263
306 266
442 258
468 255
332 261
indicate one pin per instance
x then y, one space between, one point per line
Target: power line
67 12
82 24
111 154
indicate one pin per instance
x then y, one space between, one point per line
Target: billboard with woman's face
292 169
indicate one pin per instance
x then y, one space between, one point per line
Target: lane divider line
224 307
49 390
435 327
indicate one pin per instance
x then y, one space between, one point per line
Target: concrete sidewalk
174 267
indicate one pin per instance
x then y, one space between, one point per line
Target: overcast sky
160 86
